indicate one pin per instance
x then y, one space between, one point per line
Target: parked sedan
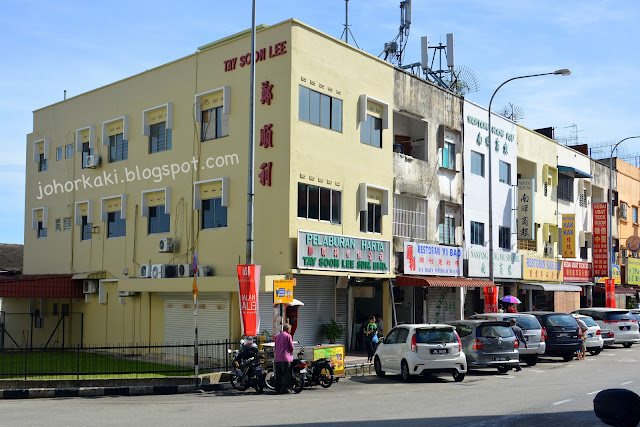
488 344
594 341
531 330
608 337
421 349
561 333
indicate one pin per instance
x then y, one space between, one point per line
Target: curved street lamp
561 72
610 231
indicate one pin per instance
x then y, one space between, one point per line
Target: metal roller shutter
318 295
265 308
441 305
213 318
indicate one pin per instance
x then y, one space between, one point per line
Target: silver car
531 330
488 344
620 320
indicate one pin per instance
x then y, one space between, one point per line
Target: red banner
610 292
491 299
600 245
577 271
248 287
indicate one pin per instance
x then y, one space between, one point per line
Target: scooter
246 370
321 372
298 375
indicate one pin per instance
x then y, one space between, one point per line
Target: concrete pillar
387 313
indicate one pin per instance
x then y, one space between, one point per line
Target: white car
620 320
420 349
595 343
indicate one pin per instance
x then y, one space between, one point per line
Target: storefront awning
571 171
551 287
619 290
41 286
91 275
442 282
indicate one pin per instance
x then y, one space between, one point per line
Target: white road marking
535 370
595 392
563 401
628 382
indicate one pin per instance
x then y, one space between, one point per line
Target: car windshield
588 321
555 320
494 331
433 336
619 315
527 322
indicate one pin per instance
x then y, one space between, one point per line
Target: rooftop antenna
393 48
347 30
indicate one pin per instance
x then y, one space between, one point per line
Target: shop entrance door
419 315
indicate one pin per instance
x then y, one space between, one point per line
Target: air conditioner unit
204 270
122 294
145 270
161 271
90 286
165 244
92 161
548 250
185 270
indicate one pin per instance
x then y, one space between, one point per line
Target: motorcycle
246 370
298 375
321 372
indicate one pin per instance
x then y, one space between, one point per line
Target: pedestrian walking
371 335
583 327
519 338
283 359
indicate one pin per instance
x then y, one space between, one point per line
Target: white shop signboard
434 260
507 265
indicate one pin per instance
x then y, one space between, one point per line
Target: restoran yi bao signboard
434 260
330 252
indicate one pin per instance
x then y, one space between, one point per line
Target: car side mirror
380 340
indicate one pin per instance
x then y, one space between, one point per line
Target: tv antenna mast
347 30
395 48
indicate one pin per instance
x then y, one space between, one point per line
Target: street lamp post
562 72
610 232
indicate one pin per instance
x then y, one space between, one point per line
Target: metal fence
115 361
31 330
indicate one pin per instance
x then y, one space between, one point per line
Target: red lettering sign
491 299
248 286
600 248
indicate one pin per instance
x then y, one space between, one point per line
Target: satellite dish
464 81
512 112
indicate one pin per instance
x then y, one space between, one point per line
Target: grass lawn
83 365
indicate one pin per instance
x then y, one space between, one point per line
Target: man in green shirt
371 331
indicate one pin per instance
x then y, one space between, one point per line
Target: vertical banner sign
248 286
491 299
568 235
526 220
600 245
610 289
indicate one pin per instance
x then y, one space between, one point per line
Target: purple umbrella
511 300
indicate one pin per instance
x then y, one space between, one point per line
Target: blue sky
47 47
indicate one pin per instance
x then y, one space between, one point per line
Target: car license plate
439 351
500 359
560 335
590 336
625 328
303 370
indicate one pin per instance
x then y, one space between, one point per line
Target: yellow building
130 179
628 186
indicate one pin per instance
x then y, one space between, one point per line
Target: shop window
505 172
319 203
477 164
116 225
371 219
565 187
477 233
159 221
320 109
213 214
409 217
504 237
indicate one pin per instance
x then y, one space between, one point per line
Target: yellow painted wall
628 186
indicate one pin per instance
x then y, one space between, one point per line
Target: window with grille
544 188
583 199
159 138
565 187
447 230
118 148
477 233
58 226
504 237
623 210
66 223
409 217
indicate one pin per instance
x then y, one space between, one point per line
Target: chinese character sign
568 235
600 244
633 271
436 260
526 228
248 287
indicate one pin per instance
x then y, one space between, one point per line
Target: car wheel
404 372
595 352
531 361
458 376
567 357
503 369
627 344
378 367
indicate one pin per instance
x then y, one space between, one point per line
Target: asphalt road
552 392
